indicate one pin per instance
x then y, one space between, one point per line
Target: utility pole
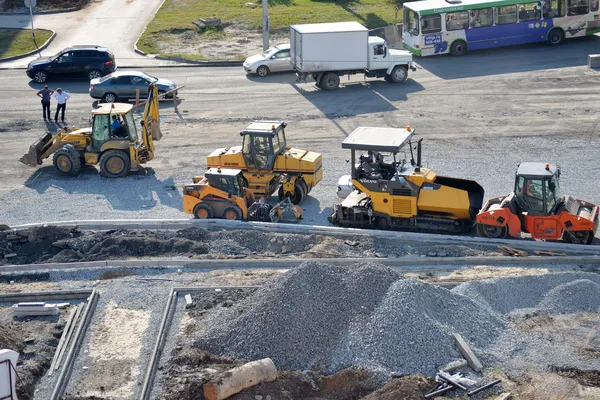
30 4
265 24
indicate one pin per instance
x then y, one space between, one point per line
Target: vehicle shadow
506 60
357 98
70 85
136 191
273 77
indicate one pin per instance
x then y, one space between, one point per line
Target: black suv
90 61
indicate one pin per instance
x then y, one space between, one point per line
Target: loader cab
536 188
263 141
102 130
227 180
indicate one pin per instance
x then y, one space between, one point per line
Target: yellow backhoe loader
401 194
268 165
222 193
117 151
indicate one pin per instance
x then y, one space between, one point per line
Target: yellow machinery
268 165
399 194
222 193
116 151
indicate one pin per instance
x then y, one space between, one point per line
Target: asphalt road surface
480 116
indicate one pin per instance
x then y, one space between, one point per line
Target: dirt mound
55 244
411 387
10 337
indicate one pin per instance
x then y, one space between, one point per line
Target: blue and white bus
455 26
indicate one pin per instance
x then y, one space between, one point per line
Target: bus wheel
459 48
556 37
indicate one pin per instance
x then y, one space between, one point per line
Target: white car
344 186
275 59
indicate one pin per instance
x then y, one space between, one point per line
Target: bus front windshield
411 22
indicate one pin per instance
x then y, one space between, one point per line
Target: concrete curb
45 296
66 10
202 63
431 238
42 47
405 263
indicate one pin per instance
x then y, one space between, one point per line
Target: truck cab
381 57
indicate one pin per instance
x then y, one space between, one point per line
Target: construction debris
34 309
513 252
240 378
454 365
467 353
504 396
486 386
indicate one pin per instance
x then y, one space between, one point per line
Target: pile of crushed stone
327 318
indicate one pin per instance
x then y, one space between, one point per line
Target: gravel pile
328 318
503 295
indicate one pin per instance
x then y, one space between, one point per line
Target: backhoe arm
151 121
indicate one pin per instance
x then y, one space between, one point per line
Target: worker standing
61 97
46 95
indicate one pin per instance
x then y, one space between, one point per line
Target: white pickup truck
328 51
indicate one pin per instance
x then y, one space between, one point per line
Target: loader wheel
203 211
383 223
232 212
578 237
67 161
114 164
491 231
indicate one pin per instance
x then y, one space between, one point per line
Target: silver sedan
122 85
275 59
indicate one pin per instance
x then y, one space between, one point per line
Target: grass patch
177 15
14 42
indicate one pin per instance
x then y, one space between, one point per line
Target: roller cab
536 207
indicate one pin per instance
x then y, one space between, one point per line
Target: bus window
529 12
554 9
457 20
411 22
431 24
506 15
482 17
577 7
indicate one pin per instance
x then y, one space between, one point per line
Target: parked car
344 186
122 85
275 59
77 61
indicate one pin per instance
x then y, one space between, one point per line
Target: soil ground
36 339
59 244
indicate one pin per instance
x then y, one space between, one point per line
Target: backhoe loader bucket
285 211
33 157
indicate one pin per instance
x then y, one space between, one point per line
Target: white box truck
328 51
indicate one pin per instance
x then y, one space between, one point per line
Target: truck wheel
114 164
399 74
67 160
459 48
262 71
330 81
203 211
232 212
556 37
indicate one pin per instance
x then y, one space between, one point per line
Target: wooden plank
61 343
467 353
188 299
68 339
504 396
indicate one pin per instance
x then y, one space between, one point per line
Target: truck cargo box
337 46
